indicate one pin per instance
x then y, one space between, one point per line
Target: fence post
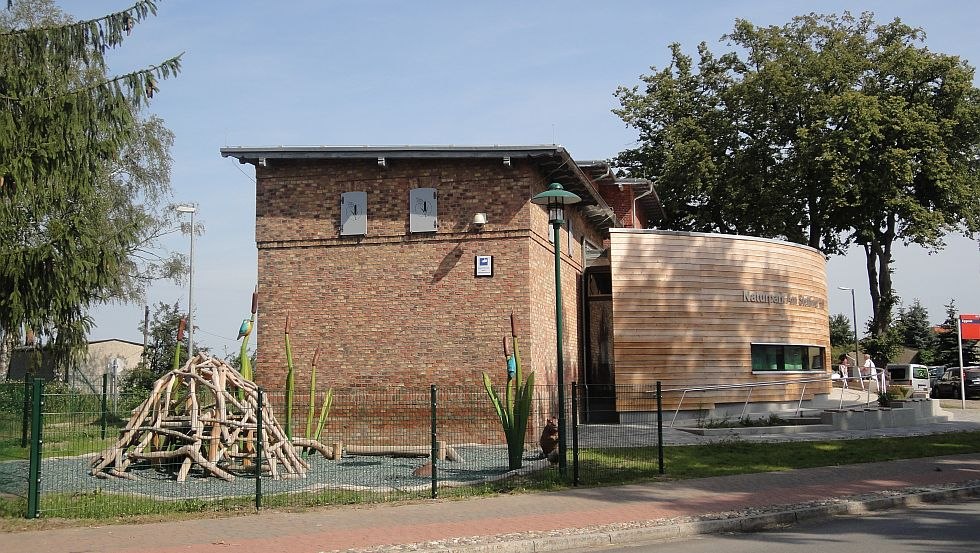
258 452
25 423
660 429
574 434
105 406
434 453
34 472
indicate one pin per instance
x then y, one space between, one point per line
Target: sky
363 72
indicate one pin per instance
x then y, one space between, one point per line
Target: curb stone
666 529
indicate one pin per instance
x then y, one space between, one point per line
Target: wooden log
121 474
173 434
192 398
390 451
338 450
213 452
185 468
448 453
214 469
162 454
105 459
325 451
227 422
145 406
271 459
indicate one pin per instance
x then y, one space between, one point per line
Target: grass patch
622 465
63 436
597 467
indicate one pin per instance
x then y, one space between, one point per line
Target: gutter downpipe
643 195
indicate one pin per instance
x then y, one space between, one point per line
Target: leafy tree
161 346
82 172
841 331
882 347
916 332
828 131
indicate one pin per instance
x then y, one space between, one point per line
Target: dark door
598 383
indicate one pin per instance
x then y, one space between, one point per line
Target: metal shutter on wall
423 210
353 214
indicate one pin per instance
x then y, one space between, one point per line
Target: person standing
845 369
871 372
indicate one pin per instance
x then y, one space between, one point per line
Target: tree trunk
6 347
878 259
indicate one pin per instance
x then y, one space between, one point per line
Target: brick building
373 252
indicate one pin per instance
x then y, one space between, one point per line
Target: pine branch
141 82
100 33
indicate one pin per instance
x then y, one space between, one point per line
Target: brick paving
515 517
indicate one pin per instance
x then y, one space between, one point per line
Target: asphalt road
934 528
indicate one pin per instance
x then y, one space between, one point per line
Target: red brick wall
621 202
394 308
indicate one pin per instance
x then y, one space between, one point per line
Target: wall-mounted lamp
506 161
479 220
381 162
263 162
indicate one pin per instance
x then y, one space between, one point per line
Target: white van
911 375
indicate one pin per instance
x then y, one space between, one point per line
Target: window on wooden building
787 358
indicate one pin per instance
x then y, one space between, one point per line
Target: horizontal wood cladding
687 307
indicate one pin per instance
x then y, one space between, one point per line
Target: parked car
935 373
948 384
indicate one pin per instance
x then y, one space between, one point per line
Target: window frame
781 357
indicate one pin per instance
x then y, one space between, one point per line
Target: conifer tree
65 240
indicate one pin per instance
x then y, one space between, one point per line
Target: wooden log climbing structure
204 415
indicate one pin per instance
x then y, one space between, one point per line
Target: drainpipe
643 195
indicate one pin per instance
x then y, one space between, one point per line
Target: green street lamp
556 198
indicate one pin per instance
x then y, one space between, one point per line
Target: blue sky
261 73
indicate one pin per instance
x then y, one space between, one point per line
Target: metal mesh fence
610 450
14 446
375 444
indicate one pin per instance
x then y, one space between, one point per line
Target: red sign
970 327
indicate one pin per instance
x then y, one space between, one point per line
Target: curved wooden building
699 310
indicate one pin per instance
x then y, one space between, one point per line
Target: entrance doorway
598 381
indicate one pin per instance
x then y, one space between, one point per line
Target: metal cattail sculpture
515 408
311 407
290 383
244 362
180 341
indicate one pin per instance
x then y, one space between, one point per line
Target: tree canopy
829 131
81 169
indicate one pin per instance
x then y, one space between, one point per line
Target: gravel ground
381 474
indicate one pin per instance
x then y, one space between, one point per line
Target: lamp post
854 319
556 198
190 283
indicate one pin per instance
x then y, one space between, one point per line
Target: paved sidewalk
547 521
538 522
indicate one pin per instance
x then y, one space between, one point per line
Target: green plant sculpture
180 342
515 408
311 407
244 362
290 383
